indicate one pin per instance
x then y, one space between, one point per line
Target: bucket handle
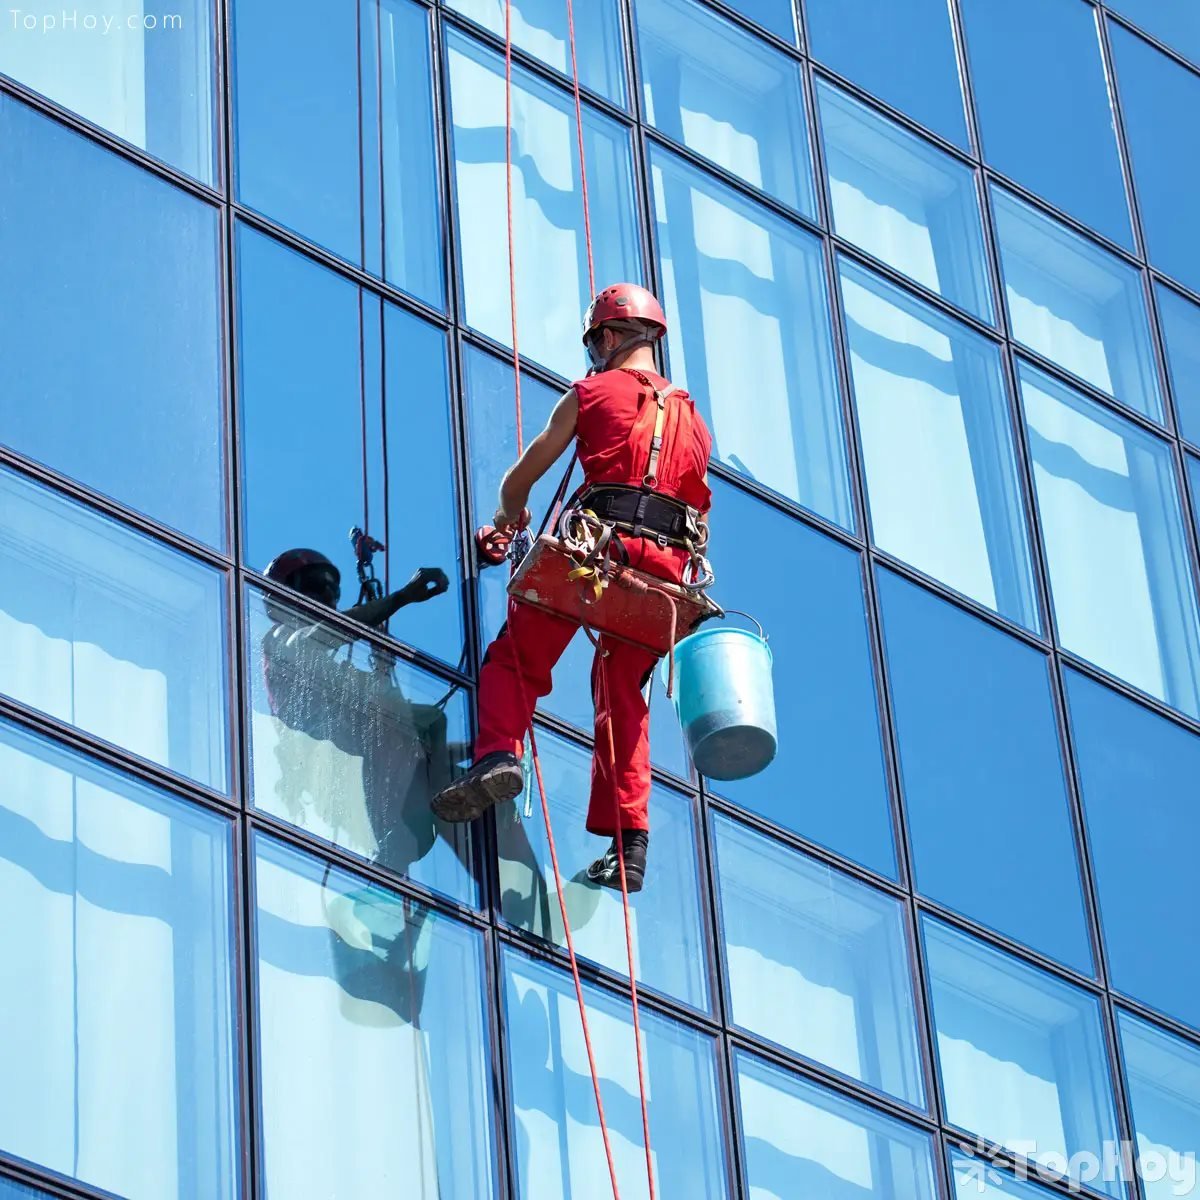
737 612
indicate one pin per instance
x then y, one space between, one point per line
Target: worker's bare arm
540 455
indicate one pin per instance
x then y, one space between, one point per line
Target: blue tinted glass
1138 773
817 961
493 449
121 268
540 27
775 16
1021 1055
908 60
824 681
547 206
327 370
1159 99
335 132
1162 1075
1175 22
727 95
11 1190
1077 304
112 632
670 946
146 76
800 1139
937 445
745 296
1179 319
1044 110
117 1005
352 743
964 696
1120 573
556 1140
373 1049
904 201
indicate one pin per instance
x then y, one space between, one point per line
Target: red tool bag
643 610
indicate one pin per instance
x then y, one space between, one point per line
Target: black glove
426 583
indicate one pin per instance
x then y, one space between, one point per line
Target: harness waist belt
642 513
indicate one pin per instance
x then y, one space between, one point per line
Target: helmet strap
638 337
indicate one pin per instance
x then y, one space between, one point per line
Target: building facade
932 278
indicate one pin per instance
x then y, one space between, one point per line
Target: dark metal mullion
32 1175
251 1013
340 266
503 1112
86 744
1162 47
106 506
98 134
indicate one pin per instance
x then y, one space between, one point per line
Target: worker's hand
509 524
424 585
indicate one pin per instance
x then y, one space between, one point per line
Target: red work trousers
516 675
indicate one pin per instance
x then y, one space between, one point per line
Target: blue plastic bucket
726 701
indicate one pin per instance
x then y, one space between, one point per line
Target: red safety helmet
624 302
283 566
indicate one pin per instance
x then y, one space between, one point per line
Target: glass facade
931 277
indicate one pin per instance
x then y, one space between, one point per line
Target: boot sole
467 799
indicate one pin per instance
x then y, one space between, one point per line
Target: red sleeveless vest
615 426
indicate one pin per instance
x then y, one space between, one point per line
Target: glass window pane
493 449
328 372
335 132
1077 304
547 205
1052 132
351 743
1163 1077
991 830
903 200
745 293
145 76
1179 319
726 95
112 632
556 1134
1124 596
825 701
121 268
817 961
908 61
1137 773
540 27
670 947
1175 22
10 1189
116 1015
1159 99
937 445
373 1048
800 1139
1021 1055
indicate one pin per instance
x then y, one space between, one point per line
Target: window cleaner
631 545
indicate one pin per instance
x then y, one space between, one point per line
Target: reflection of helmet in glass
309 572
378 956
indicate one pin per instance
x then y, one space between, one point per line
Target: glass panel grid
832 787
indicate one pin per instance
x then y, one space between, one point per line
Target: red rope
562 905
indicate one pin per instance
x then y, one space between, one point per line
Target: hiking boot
606 871
496 777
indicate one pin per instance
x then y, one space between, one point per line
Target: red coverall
613 432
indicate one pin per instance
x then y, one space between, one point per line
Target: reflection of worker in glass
353 732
